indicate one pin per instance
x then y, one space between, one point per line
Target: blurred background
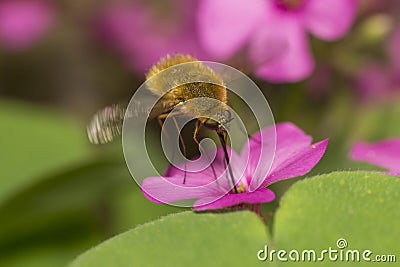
61 61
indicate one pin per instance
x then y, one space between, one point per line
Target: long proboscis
222 139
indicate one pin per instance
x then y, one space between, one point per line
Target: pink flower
24 22
385 154
374 82
142 34
273 31
294 156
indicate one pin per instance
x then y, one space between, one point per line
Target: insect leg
183 146
160 120
195 135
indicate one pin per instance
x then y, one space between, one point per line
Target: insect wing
106 124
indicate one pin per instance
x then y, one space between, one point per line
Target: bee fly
175 92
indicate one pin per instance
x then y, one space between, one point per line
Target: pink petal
143 37
225 25
296 164
202 184
289 141
171 190
373 82
394 173
329 19
23 23
290 138
385 154
262 195
196 164
207 175
267 45
296 63
294 154
259 165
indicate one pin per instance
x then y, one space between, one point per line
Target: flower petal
201 184
394 173
296 164
262 195
171 190
296 62
288 133
373 82
207 175
329 19
142 36
267 45
385 154
23 22
258 166
289 141
225 25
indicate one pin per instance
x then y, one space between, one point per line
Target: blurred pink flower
373 81
24 22
143 35
295 155
273 31
380 80
385 154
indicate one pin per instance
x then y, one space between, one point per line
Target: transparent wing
106 124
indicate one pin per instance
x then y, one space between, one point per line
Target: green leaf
74 197
34 142
80 206
132 208
184 239
45 253
361 207
376 121
72 206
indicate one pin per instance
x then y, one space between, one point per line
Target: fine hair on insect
176 93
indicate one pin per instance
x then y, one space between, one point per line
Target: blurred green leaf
54 202
62 215
185 239
348 122
377 121
42 255
130 208
361 207
78 195
81 207
34 142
